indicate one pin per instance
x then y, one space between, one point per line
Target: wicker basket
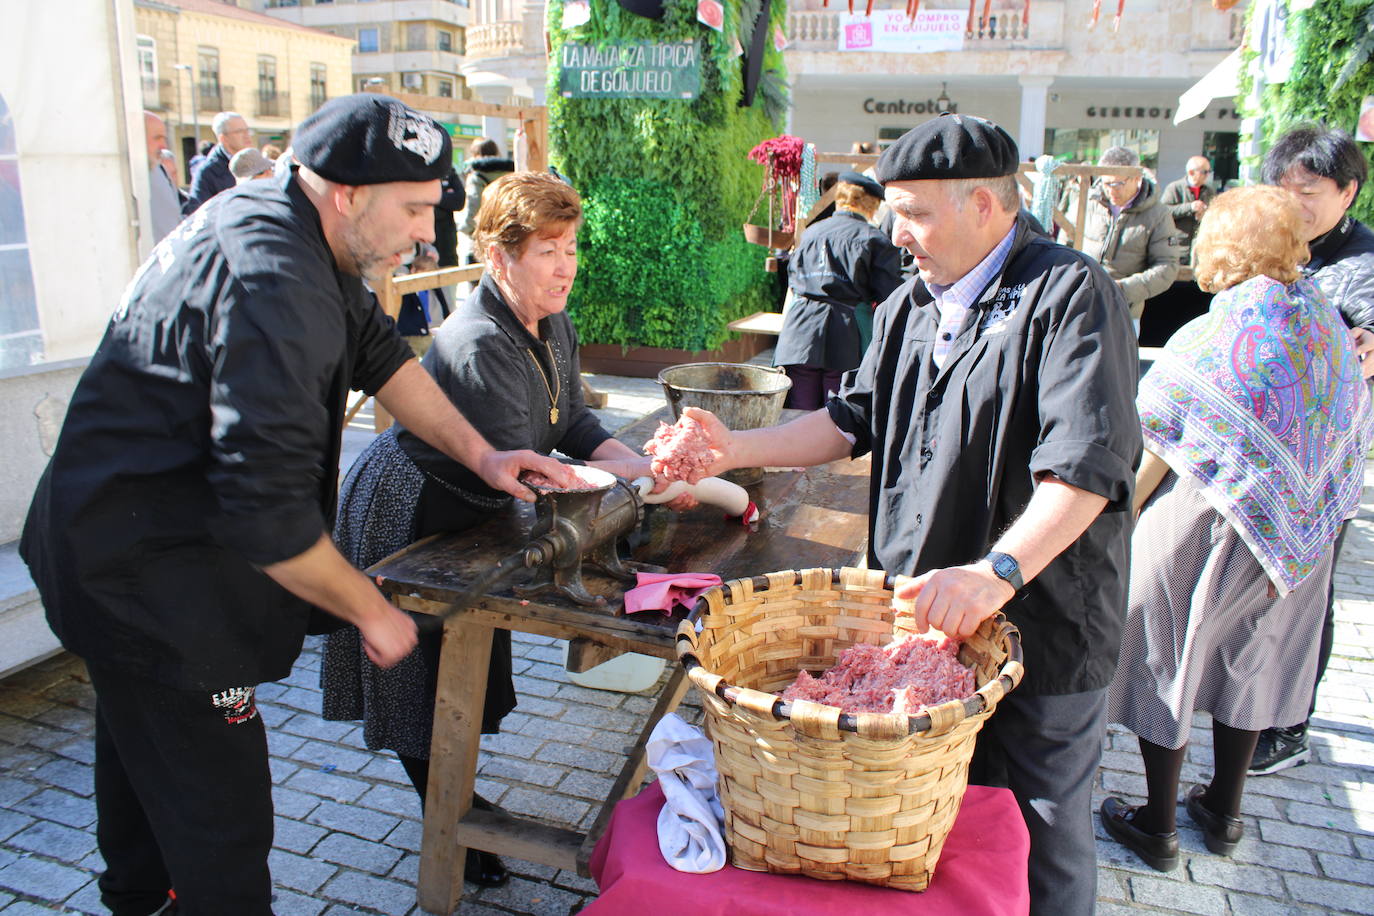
810 790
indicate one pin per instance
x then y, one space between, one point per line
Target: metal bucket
743 396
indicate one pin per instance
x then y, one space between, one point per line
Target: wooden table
813 517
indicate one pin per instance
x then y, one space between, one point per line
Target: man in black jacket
1325 170
213 175
180 535
1004 440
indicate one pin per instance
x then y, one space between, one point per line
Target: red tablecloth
982 870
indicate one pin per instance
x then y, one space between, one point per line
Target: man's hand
388 636
1364 346
501 471
954 600
721 439
1198 207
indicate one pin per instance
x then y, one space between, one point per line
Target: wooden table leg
463 659
632 774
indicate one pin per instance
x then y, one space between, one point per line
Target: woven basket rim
1009 674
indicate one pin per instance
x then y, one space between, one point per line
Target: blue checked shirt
954 301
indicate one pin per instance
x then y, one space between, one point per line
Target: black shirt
1041 379
202 443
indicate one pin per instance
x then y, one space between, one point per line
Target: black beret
950 146
368 138
863 181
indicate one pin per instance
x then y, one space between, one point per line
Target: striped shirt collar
963 293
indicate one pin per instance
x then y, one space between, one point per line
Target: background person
1130 234
1326 170
1003 461
212 175
840 268
178 537
1186 200
507 358
1256 421
248 164
165 198
484 164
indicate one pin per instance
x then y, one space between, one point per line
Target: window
319 93
269 103
21 340
444 40
1221 147
415 37
445 89
367 41
208 60
147 70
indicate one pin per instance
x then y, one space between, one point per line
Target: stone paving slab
348 829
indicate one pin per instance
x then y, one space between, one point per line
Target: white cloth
691 822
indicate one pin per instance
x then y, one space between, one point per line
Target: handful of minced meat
901 677
681 451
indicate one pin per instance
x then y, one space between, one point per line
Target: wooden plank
433 279
462 684
616 632
504 834
585 653
464 106
632 773
758 323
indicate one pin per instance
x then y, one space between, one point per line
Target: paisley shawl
1261 401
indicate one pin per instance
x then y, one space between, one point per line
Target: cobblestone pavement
348 829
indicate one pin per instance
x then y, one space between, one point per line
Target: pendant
553 416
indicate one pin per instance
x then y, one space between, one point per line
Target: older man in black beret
1004 439
179 537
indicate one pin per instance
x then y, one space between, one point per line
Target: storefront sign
631 70
1151 112
907 106
892 31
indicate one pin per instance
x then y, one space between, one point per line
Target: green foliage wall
666 184
1335 39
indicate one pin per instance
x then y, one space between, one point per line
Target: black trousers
183 799
1046 749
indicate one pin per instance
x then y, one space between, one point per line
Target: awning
1219 83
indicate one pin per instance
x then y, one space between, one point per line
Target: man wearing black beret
1004 439
179 536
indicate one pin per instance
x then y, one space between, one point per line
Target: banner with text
631 70
891 30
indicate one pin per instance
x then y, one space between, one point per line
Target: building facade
1038 69
199 57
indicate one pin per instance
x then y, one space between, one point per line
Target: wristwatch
1006 568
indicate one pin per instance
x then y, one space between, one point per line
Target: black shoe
1279 749
1220 832
1157 850
484 869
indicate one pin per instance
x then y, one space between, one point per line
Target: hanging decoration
1116 22
781 158
1047 188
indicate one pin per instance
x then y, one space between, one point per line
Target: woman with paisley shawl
1256 424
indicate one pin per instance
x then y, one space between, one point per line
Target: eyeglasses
1200 171
1116 184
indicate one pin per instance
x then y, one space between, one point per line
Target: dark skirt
825 335
387 503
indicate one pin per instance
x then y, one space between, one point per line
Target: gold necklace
557 388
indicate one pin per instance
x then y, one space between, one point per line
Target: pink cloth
982 872
660 591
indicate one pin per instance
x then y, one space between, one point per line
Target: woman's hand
1364 350
501 471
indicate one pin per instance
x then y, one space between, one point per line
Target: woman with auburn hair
1256 424
842 268
508 358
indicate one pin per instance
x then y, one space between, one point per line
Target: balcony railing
159 95
272 104
819 30
212 97
496 39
